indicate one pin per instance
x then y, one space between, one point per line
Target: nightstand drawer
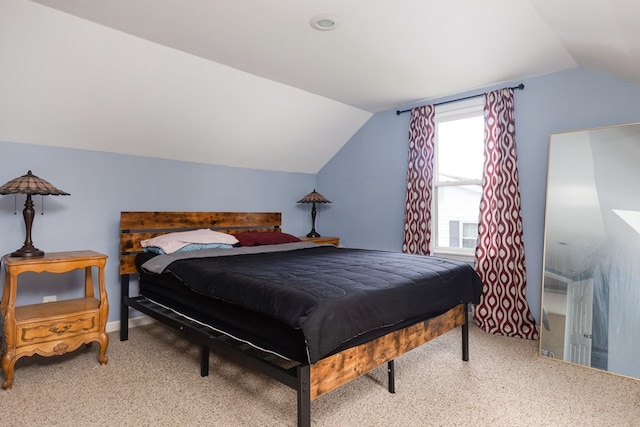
31 333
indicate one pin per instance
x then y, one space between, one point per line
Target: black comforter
333 294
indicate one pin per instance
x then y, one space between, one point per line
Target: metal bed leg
124 308
391 371
204 361
465 334
304 395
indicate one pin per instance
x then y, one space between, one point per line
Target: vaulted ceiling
250 83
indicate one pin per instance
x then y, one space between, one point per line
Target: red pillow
265 238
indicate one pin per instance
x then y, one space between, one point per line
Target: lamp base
313 233
28 252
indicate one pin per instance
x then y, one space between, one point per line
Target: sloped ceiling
251 84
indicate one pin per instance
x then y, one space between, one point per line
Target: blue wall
366 179
103 184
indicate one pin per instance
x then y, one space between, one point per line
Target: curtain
503 308
417 218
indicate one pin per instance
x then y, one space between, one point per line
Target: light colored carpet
154 380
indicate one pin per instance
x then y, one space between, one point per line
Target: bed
313 317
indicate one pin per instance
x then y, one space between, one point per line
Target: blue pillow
190 247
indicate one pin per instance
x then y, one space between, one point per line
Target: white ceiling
250 83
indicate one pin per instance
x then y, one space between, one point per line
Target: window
457 178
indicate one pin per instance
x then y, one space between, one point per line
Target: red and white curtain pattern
503 307
417 219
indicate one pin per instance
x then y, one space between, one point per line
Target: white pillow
171 242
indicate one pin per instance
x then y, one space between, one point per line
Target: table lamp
313 197
29 184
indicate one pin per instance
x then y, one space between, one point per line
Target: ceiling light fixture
324 22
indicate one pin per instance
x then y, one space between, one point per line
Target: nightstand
53 328
321 240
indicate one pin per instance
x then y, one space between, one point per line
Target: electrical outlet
49 298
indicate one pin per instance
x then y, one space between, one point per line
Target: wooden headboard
138 226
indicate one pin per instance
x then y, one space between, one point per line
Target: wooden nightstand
321 240
53 328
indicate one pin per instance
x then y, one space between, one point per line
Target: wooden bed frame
310 381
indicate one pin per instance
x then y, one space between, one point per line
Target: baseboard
133 322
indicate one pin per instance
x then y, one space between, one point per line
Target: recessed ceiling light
324 22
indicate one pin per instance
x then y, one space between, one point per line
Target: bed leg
124 308
204 361
391 372
304 395
465 334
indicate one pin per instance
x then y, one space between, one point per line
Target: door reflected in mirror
591 278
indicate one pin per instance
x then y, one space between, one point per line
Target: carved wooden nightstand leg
8 364
102 353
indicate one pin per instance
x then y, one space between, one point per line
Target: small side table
53 328
321 240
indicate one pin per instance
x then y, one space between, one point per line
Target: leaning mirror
591 278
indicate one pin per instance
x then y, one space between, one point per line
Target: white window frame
443 113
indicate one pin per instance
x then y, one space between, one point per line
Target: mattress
258 330
307 302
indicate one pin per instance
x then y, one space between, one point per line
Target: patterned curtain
417 217
503 308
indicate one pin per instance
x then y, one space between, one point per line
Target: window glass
457 212
460 149
469 235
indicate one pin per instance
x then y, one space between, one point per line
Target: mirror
591 272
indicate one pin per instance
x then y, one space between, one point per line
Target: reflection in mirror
591 281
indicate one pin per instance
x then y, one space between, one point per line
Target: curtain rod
398 112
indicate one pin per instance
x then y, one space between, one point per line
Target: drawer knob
55 329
